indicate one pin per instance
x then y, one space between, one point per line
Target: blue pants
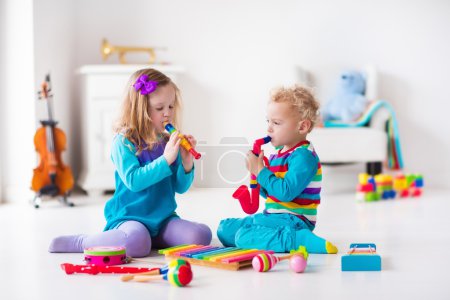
277 232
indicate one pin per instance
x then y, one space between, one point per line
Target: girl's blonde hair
301 99
134 121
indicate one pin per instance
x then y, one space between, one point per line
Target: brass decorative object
108 49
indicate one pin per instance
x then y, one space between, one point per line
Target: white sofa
354 144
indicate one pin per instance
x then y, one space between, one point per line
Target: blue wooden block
361 257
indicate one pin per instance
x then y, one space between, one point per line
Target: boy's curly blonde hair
301 99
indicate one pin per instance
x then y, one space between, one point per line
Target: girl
150 168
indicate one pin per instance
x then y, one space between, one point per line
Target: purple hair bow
144 85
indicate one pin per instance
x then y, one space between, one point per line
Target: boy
291 183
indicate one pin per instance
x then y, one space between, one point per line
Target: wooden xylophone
228 258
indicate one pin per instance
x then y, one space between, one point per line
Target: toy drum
105 256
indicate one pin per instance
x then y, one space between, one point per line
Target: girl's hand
172 147
255 163
187 159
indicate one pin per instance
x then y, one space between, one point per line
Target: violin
51 177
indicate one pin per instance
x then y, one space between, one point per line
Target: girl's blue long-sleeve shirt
145 186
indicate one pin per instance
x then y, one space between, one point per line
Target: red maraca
178 274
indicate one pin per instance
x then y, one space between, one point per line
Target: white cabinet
102 89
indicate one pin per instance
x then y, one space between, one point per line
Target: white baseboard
16 194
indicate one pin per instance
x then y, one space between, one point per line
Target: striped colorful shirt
292 183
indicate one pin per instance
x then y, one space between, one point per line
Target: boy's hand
255 163
187 158
172 147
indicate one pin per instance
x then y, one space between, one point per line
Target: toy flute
184 142
95 269
250 203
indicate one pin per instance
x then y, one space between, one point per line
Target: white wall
55 48
17 99
2 80
236 51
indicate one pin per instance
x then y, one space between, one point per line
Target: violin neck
45 94
49 126
50 108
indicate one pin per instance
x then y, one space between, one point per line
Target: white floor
412 236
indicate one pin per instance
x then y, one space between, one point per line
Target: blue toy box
361 257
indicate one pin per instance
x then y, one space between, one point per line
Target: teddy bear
349 101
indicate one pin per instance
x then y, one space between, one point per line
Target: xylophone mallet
178 274
156 271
